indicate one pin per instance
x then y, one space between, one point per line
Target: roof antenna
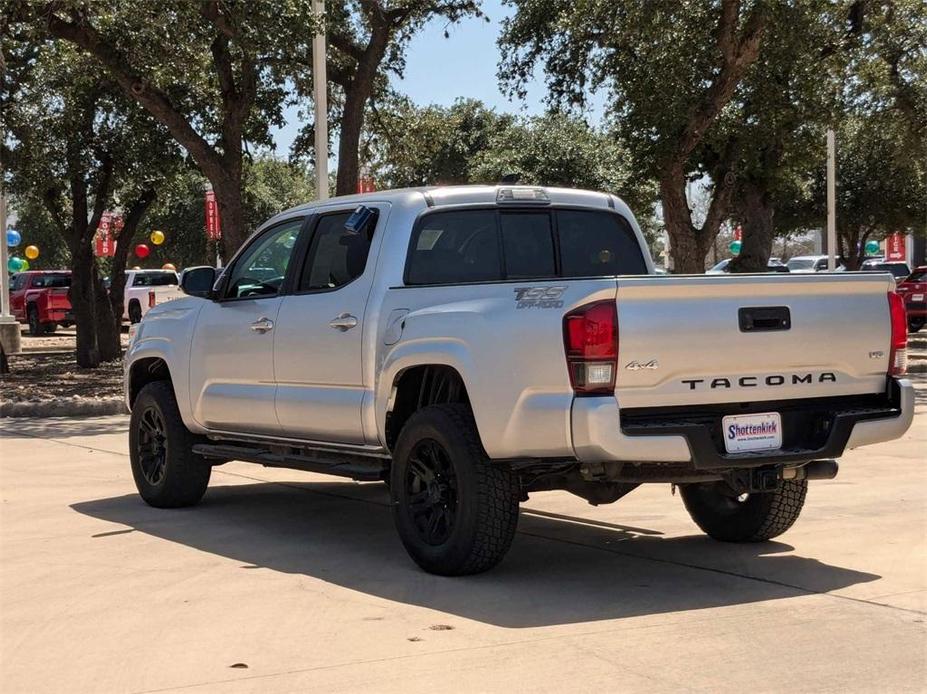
509 178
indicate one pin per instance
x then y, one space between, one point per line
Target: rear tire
915 324
50 327
456 511
725 516
135 312
167 473
36 327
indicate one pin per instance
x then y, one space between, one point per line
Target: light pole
831 202
320 96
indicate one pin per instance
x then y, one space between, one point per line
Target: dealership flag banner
213 229
896 247
105 243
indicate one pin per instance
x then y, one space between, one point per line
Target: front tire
455 510
167 473
726 516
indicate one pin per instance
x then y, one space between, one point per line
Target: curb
65 408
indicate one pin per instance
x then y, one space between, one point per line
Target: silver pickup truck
472 345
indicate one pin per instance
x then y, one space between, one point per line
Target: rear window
463 246
51 281
154 279
917 276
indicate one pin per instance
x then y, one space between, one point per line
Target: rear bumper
815 429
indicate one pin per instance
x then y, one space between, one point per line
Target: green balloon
25 265
872 247
15 264
735 247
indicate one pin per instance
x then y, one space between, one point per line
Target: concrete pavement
288 581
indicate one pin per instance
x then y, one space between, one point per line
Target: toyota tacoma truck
470 346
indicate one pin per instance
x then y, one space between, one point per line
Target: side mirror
198 281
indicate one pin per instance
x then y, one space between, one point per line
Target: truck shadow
561 569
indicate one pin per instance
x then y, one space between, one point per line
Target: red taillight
151 299
898 354
590 336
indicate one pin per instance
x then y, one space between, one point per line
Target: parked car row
41 298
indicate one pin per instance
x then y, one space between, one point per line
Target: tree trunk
83 305
757 213
688 247
231 213
108 332
352 123
124 244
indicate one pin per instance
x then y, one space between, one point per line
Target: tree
416 146
77 148
235 58
366 40
780 113
670 69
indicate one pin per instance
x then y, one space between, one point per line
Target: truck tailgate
744 338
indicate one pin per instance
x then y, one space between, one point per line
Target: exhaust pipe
821 470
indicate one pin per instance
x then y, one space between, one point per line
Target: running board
357 467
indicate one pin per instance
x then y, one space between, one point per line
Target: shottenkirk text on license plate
917 297
752 432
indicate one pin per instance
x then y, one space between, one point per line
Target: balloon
872 247
25 265
157 237
136 267
142 251
13 238
32 252
735 247
169 266
15 264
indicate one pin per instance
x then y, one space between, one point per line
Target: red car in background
914 291
40 298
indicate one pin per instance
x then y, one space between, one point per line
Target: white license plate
917 297
752 432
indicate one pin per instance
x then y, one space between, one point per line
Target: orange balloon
32 252
169 266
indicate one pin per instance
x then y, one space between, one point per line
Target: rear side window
455 248
596 244
463 246
336 255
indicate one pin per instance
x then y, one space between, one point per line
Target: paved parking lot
288 581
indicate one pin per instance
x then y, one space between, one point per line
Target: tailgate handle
764 319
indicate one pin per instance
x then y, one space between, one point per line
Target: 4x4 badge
653 365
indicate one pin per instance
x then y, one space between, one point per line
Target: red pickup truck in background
40 298
914 292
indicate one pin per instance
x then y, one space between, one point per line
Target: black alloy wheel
431 485
152 445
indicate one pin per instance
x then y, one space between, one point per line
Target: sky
440 70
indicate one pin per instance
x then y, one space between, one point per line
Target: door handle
343 322
262 325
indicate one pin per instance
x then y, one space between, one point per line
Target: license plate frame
917 298
747 433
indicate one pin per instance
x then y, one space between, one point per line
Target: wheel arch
144 371
418 386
